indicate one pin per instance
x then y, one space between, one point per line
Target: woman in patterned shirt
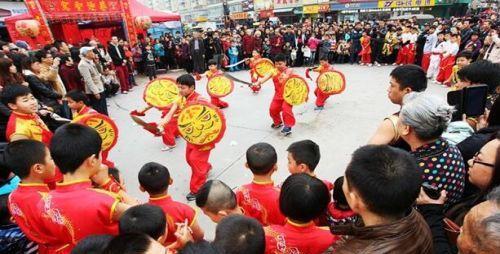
422 120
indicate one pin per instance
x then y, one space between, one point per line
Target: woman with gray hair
422 121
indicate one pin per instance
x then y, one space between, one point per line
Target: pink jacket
312 43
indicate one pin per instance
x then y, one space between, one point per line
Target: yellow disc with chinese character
219 86
296 90
263 67
331 82
161 93
103 125
201 123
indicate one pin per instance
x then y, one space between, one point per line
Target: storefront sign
353 6
309 2
263 4
311 9
239 15
405 3
264 14
55 6
286 3
324 8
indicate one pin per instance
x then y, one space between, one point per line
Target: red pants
281 107
366 58
320 97
218 102
122 74
198 161
170 132
406 55
445 68
426 60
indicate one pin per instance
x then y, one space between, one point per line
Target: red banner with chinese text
129 22
64 7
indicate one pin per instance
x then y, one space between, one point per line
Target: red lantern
30 27
143 22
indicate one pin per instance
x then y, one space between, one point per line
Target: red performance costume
32 127
260 200
253 76
75 210
26 210
214 100
366 50
176 213
321 97
297 239
280 110
196 156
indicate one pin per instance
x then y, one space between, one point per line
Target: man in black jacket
117 55
197 52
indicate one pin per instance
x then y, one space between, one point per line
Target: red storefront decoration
63 15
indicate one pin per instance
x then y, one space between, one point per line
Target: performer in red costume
366 50
323 67
212 71
196 156
280 111
251 63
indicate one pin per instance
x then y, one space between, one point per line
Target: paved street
346 123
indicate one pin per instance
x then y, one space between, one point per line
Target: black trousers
99 105
151 72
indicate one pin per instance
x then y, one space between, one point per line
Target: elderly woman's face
481 166
466 240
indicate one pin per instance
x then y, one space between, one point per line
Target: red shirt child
25 202
260 199
75 210
155 179
302 199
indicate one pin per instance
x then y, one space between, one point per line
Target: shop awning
139 9
283 10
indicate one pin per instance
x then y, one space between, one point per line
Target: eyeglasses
480 162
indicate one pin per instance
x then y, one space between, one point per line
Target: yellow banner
311 9
405 3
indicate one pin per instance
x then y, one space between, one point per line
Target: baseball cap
85 50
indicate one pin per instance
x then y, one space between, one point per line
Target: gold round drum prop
201 123
103 125
161 93
219 86
295 91
263 67
331 82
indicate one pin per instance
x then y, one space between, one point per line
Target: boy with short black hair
147 219
239 234
303 157
154 179
260 198
24 123
76 150
148 57
94 244
32 162
381 184
77 102
303 198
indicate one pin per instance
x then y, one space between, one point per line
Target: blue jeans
233 60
